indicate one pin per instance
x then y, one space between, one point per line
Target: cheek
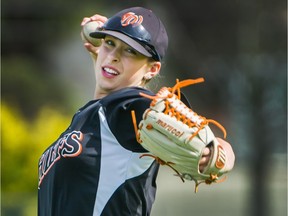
97 68
134 75
135 69
98 62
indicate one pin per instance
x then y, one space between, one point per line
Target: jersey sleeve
119 118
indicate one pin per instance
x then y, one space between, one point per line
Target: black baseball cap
138 27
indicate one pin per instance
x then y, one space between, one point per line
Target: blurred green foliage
29 85
23 142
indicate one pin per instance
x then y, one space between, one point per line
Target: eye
131 50
109 42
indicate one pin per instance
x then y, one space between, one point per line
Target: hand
207 154
95 18
205 159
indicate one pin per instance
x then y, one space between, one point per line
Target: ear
153 70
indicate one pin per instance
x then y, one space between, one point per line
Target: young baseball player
94 167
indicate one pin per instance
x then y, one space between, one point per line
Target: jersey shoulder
125 95
118 106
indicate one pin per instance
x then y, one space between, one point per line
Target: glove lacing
176 108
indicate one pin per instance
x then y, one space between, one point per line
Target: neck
99 95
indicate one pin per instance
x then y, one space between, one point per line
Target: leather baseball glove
176 136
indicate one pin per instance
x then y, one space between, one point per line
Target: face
119 65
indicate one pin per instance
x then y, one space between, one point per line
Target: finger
98 17
201 168
204 161
90 47
85 20
206 151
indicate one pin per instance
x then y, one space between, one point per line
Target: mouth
109 72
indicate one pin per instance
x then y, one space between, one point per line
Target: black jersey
94 168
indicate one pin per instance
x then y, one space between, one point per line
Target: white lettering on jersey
67 146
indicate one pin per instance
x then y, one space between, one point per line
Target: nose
114 55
